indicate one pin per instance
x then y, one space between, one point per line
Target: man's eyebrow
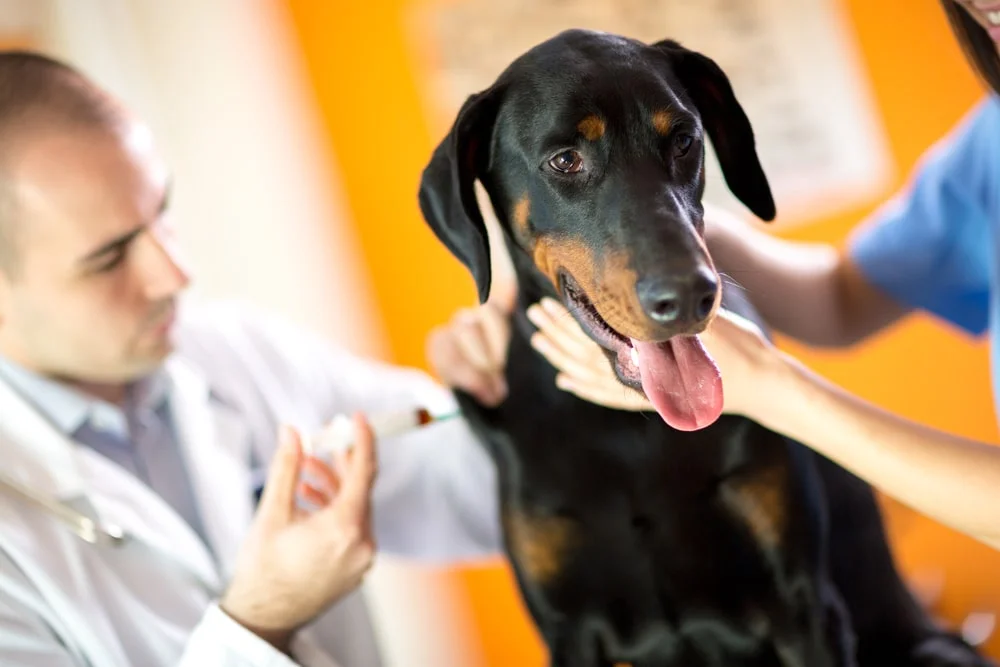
119 243
112 246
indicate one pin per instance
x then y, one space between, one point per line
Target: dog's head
592 149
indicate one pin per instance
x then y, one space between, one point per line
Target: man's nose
166 274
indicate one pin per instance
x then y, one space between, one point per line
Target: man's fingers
453 348
278 498
364 463
321 476
312 495
503 293
488 388
358 475
471 339
471 353
496 329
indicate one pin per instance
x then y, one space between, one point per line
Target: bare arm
952 479
809 291
949 478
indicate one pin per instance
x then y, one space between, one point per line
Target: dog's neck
532 285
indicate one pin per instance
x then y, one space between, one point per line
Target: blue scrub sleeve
930 248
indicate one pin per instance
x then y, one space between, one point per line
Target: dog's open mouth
677 375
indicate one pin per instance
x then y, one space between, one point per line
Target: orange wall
368 79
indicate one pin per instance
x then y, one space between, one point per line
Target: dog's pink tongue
682 381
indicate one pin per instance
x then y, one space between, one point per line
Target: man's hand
470 352
294 564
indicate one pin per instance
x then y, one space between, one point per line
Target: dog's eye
682 143
567 162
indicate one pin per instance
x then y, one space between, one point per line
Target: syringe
338 435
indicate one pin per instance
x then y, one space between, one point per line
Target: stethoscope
83 526
88 530
93 532
96 533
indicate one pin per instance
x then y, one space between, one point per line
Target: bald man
122 406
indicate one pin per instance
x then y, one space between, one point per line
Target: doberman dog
695 539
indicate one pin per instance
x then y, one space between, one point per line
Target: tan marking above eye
661 122
592 127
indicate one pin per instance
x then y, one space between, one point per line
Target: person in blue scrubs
933 248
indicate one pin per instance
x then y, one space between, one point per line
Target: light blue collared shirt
140 436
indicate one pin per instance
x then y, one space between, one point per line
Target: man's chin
151 357
160 353
159 340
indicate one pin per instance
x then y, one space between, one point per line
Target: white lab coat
235 377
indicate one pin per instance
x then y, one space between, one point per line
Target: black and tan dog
640 540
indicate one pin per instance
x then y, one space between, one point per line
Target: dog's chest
613 509
544 431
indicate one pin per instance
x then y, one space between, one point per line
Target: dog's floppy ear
447 193
727 125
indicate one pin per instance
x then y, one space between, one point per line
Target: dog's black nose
683 299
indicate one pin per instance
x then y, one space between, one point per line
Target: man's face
95 297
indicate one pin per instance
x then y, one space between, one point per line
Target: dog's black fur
633 542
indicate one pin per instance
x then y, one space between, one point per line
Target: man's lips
164 319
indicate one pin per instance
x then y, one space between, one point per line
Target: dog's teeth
635 356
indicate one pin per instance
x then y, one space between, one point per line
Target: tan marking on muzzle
608 281
576 258
592 127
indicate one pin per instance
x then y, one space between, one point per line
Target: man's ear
447 194
727 125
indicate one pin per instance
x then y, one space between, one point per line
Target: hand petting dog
737 346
